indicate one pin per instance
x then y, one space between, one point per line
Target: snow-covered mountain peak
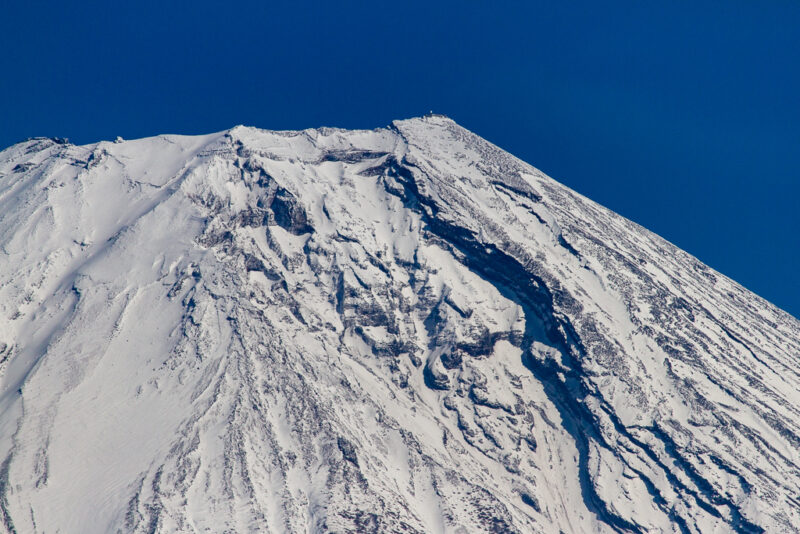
394 330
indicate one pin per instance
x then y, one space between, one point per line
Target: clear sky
681 115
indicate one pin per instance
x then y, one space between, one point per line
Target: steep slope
398 330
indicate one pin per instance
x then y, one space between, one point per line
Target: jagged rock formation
398 330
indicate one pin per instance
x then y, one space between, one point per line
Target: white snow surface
398 330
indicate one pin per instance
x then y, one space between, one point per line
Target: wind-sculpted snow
398 330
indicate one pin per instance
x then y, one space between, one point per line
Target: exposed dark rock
289 213
530 500
348 450
22 167
434 379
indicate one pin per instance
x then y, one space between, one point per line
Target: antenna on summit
432 114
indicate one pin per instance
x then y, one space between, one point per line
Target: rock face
398 330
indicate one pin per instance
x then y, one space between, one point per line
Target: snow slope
397 330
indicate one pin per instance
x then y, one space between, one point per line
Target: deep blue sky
681 115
